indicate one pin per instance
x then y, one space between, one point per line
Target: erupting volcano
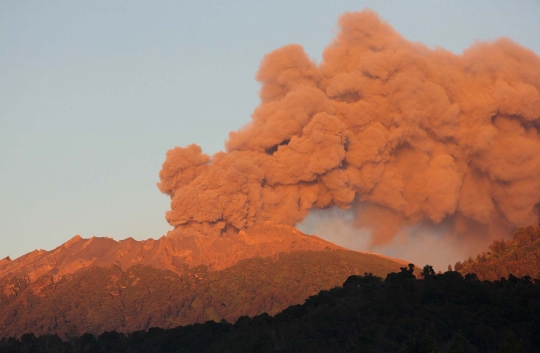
401 133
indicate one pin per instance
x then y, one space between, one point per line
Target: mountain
174 253
444 313
519 256
99 284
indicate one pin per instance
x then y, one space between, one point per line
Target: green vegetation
441 313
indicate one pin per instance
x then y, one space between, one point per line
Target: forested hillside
519 256
442 313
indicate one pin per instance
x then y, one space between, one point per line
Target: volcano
99 284
402 135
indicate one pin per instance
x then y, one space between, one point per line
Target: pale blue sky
93 93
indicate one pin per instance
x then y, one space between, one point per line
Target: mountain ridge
99 284
172 253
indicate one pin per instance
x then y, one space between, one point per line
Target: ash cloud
397 132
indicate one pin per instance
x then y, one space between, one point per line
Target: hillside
274 271
443 313
519 256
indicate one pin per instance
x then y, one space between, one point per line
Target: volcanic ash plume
400 133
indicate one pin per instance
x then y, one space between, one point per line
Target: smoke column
397 133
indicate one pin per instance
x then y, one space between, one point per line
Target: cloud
403 134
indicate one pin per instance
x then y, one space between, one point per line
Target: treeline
439 313
519 255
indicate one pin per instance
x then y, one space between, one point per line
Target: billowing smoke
398 133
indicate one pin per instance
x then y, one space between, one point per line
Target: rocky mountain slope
98 284
166 253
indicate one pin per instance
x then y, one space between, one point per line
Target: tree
421 341
87 343
512 344
459 344
427 272
112 341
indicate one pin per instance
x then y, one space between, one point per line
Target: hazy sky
93 93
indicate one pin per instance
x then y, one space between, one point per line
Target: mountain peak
172 253
72 241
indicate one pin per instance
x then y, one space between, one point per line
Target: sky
93 94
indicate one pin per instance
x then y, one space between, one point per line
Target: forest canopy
445 312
